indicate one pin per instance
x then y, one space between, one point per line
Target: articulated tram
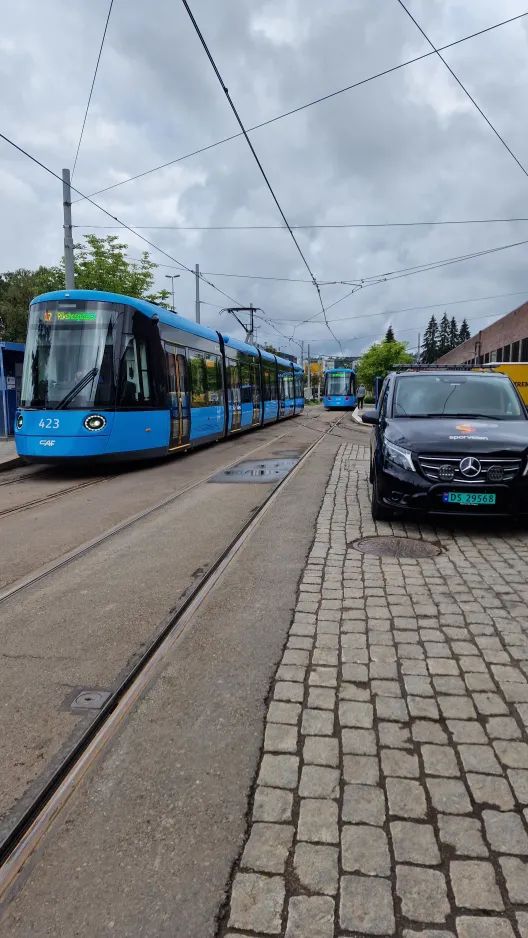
340 388
113 377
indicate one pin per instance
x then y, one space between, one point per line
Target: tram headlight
19 421
95 422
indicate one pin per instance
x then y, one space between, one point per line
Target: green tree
443 336
271 349
464 333
430 342
453 334
389 335
378 360
102 264
17 289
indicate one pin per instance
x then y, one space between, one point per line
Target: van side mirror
371 417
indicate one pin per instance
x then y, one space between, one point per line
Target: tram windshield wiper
76 388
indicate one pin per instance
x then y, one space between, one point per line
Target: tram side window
214 379
255 382
269 385
198 378
135 383
273 382
246 388
233 381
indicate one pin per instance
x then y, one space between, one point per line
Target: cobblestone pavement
392 790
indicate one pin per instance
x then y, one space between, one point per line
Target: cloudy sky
406 147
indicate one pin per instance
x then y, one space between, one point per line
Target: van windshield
457 395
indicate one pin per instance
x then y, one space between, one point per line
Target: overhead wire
389 224
365 281
92 88
463 87
180 264
257 160
309 104
397 312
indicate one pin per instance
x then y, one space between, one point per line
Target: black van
448 441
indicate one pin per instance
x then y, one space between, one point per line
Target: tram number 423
50 423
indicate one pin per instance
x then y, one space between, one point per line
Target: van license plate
469 498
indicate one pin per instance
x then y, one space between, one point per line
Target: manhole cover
396 547
90 700
253 470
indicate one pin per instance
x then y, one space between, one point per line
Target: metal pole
249 333
302 353
69 268
197 272
419 349
309 385
3 391
172 281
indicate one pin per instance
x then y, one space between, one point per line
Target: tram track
51 496
23 841
53 566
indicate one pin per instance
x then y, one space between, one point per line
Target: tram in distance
339 388
112 377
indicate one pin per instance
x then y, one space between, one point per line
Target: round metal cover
396 547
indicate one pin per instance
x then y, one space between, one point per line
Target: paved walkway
391 795
8 453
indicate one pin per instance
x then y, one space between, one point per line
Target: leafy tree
453 334
17 289
464 333
430 342
389 335
271 349
443 335
100 264
378 360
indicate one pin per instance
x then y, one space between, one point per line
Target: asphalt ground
85 625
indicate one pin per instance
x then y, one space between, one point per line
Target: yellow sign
518 373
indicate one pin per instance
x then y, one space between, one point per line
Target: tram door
178 396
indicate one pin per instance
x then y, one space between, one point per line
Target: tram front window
338 384
69 360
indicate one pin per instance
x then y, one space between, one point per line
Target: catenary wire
375 278
397 312
257 160
388 224
309 104
92 88
463 87
181 265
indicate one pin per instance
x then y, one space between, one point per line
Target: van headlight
396 456
95 422
19 421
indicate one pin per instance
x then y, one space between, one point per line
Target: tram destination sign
60 316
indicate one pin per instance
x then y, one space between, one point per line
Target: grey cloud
405 147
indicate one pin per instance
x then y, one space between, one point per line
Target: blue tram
112 377
340 388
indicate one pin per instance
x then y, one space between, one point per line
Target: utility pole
197 305
301 343
309 385
69 269
419 349
251 330
172 278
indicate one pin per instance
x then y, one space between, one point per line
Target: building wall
496 343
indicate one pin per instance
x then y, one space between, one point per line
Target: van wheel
378 510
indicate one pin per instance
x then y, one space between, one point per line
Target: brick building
504 341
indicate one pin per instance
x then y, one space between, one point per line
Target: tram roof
148 309
166 316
